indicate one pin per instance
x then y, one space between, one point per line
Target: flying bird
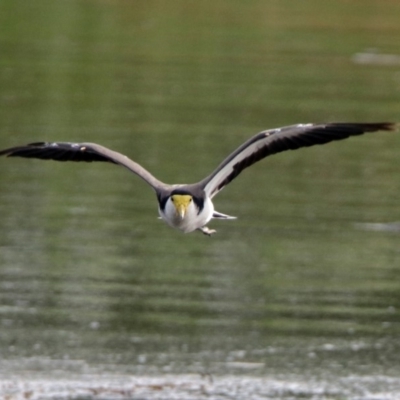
189 207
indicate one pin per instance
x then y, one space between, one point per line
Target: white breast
192 220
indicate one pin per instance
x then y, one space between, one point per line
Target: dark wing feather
62 151
275 141
56 151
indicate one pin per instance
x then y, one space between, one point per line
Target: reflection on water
297 297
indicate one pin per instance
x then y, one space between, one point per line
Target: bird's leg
207 231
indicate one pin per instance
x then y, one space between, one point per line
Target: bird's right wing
63 151
277 140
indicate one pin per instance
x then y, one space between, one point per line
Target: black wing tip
368 126
389 126
16 151
10 151
58 151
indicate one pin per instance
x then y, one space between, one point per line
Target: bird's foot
207 231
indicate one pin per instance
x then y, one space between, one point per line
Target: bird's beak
181 210
181 203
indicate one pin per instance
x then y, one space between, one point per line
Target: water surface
297 298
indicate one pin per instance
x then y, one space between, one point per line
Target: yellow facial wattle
181 203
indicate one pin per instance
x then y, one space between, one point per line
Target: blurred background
303 287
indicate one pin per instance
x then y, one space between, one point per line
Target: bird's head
181 203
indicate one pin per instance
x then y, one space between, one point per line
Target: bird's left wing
63 151
277 140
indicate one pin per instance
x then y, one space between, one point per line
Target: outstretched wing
274 141
88 152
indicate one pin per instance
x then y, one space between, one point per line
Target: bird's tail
219 215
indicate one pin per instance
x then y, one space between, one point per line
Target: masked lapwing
189 207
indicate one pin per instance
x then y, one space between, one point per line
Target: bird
189 207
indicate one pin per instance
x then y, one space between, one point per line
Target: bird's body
183 211
189 207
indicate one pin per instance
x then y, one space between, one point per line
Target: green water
304 285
